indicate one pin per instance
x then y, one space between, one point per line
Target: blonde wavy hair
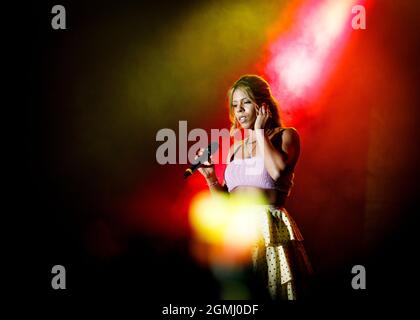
259 91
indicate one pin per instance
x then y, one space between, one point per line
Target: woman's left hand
263 114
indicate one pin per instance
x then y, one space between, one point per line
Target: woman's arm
215 186
279 155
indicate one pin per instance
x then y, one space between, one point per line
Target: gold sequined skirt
279 258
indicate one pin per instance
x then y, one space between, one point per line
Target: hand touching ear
263 114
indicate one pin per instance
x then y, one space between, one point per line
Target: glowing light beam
300 59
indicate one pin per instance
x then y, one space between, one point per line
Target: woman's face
244 109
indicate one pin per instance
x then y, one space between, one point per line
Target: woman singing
264 162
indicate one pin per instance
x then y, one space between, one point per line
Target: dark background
96 202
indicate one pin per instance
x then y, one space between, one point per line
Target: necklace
250 146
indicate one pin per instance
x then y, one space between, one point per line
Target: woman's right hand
207 168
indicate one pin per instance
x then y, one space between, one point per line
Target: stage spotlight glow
301 58
226 223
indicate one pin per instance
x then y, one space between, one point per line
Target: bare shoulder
290 134
285 133
288 141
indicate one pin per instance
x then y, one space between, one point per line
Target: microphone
212 147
